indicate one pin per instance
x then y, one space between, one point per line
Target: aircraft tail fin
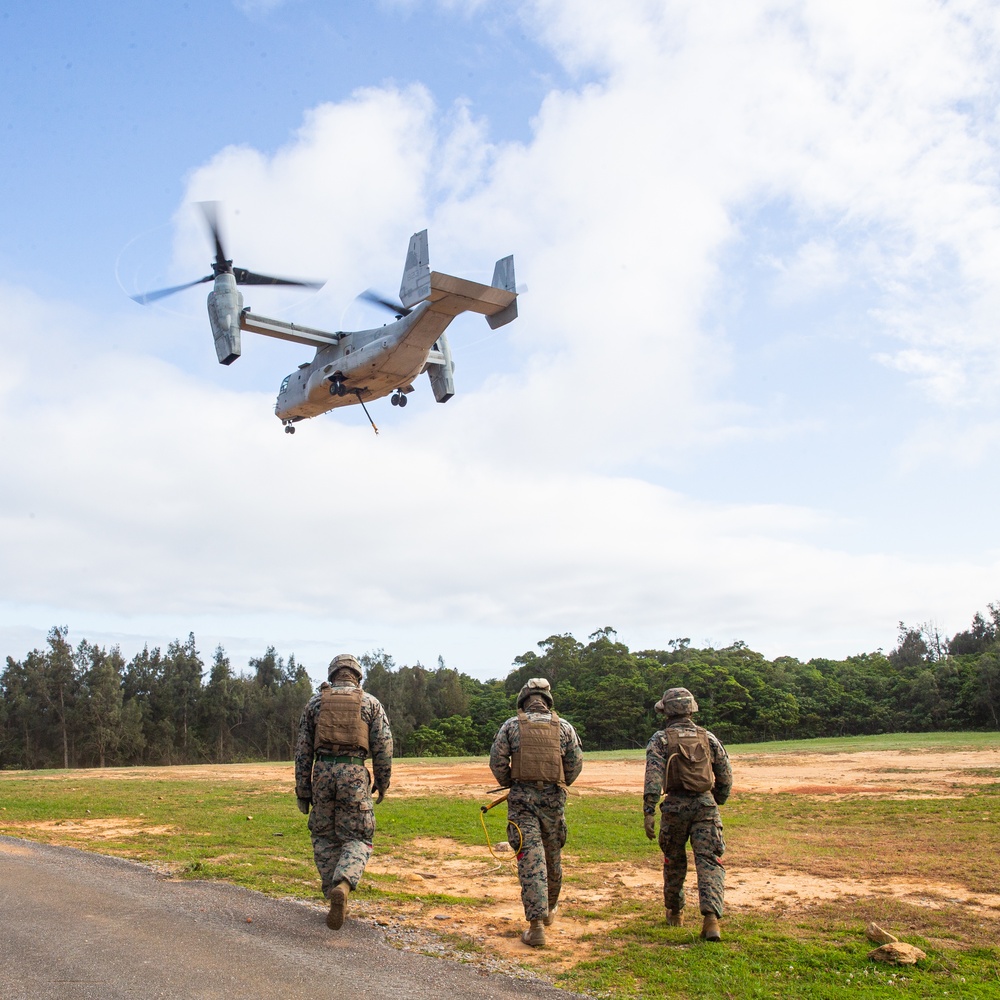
416 283
503 277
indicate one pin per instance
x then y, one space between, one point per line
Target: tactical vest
339 726
689 761
540 756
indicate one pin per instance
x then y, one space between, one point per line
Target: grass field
927 868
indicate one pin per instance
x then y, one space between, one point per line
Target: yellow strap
483 810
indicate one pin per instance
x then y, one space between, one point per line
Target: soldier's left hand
649 822
381 796
304 805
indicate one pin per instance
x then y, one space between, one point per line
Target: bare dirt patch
900 773
281 773
72 831
494 922
868 772
883 773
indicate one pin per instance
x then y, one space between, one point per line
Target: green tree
181 688
988 676
221 706
16 745
102 700
56 684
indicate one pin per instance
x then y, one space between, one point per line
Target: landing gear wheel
402 400
395 400
289 429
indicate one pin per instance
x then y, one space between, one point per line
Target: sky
752 392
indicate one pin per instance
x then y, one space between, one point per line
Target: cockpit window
284 383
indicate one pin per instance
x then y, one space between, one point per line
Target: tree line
87 707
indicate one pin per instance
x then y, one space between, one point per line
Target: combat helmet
344 661
539 686
676 701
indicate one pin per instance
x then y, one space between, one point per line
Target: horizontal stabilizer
451 296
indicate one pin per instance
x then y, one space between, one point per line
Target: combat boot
710 928
338 905
551 915
673 918
534 935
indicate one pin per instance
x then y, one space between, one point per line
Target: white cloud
952 452
137 492
816 266
535 502
944 380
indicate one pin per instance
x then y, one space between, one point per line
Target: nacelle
441 370
225 303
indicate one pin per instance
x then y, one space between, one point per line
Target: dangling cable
357 392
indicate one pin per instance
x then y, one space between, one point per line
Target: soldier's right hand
649 822
381 796
304 805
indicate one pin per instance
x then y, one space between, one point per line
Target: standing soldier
341 725
692 767
536 755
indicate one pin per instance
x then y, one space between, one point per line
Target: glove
381 796
304 805
649 822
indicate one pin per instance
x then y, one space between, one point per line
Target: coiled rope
483 810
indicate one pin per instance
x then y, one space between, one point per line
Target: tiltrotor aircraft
352 367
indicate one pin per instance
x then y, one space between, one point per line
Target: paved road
78 926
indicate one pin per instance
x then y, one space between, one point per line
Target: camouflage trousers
539 815
695 817
342 822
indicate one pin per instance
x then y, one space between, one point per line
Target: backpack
689 761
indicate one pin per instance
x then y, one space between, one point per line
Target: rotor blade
223 265
395 307
210 210
162 293
245 277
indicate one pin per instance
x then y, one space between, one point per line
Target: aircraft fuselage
372 363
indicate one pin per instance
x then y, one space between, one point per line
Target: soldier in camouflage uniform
693 768
341 725
536 755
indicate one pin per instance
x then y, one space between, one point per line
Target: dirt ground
445 867
881 773
910 773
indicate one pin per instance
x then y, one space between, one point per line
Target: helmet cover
344 661
536 686
677 701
